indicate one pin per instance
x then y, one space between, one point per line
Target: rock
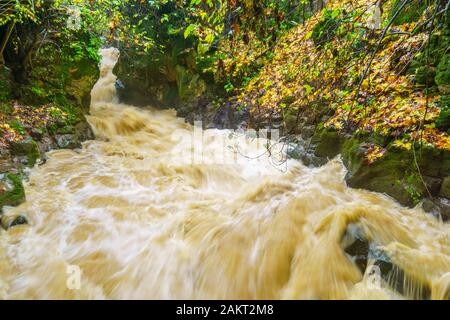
189 84
438 207
356 246
6 164
67 141
396 173
433 184
36 134
298 149
28 148
429 206
12 192
327 144
445 188
226 117
360 250
81 79
9 222
83 131
46 144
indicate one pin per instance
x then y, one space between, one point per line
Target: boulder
28 148
80 81
12 192
396 172
327 144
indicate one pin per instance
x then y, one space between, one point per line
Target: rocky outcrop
169 80
409 176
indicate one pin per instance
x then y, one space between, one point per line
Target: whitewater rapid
155 208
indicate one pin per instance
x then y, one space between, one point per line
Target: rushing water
140 217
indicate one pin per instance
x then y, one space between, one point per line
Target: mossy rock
425 76
442 78
189 84
393 174
28 148
12 192
327 143
433 55
429 160
443 121
445 188
80 81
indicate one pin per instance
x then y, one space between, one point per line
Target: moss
443 121
445 188
442 78
393 174
328 143
28 148
428 59
14 193
411 13
5 108
189 85
81 80
425 75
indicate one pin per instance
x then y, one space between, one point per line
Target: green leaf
210 38
189 30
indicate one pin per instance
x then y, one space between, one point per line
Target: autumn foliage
353 76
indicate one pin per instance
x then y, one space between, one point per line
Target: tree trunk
5 40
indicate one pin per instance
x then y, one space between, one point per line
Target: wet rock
356 246
360 250
438 207
327 144
429 206
9 222
27 148
225 117
11 190
83 131
46 144
67 141
298 149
